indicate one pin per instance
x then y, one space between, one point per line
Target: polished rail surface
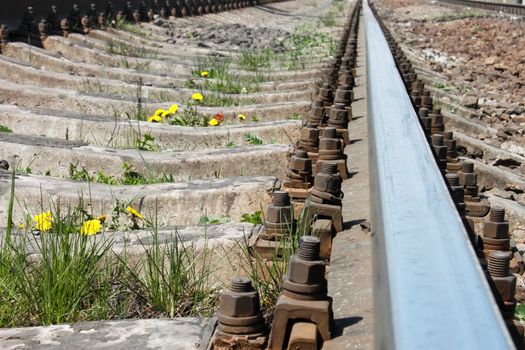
430 292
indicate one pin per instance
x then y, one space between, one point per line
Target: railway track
329 134
515 9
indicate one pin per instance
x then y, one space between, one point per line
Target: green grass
254 61
78 278
442 86
252 139
214 219
129 176
4 128
253 218
132 28
119 48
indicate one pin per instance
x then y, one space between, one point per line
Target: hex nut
468 179
279 214
327 182
506 286
306 272
301 164
498 230
330 144
239 304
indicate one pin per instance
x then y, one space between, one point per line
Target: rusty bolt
328 179
467 176
301 162
280 210
306 273
498 267
240 300
496 226
457 191
305 266
498 263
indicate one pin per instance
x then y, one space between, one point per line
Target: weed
146 143
231 144
4 128
123 49
442 86
253 218
252 139
253 61
519 313
213 219
295 116
130 27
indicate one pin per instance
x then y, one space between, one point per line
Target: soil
480 53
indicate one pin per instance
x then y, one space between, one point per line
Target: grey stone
173 334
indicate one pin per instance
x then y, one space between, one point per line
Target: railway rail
437 284
515 9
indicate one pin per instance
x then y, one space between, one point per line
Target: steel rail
429 289
515 9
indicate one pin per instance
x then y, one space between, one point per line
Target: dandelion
242 117
165 114
219 116
159 112
131 211
197 97
44 221
204 74
155 119
213 122
91 227
173 109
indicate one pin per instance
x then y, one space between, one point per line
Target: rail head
430 291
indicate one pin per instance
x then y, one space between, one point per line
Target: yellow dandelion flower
102 218
197 97
155 119
158 112
134 213
213 122
44 221
91 227
173 109
242 117
204 74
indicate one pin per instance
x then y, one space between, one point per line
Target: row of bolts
94 18
493 245
304 293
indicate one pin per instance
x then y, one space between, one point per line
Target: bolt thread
467 167
330 133
498 263
281 199
437 140
301 154
448 135
309 248
241 285
328 168
453 179
497 214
